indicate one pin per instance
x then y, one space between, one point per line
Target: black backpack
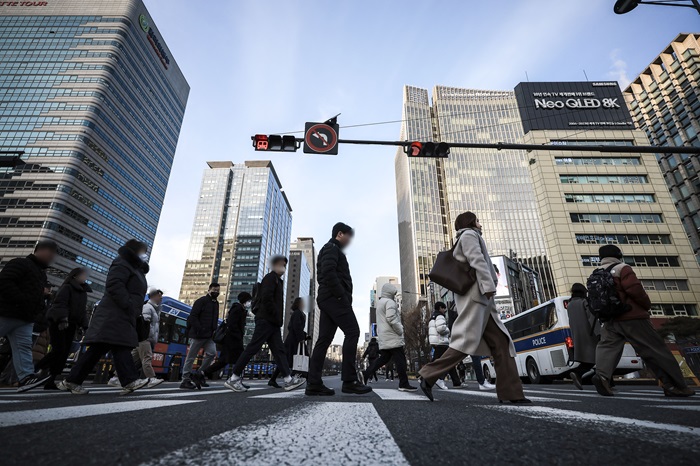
603 299
255 302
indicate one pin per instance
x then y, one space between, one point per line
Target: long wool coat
474 309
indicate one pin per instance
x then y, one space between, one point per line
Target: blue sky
269 66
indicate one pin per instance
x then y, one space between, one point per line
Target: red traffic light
415 149
260 142
428 149
275 142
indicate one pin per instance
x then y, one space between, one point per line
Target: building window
610 198
603 179
597 160
673 310
616 218
665 285
602 238
636 261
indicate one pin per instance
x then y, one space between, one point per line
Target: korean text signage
24 3
567 105
155 42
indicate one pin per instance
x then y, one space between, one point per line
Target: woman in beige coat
478 328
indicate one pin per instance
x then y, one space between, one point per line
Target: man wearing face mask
268 323
201 325
232 347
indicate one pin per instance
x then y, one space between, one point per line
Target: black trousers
265 332
229 354
439 350
121 355
371 361
290 345
386 355
335 314
61 341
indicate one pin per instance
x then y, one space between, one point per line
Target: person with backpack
391 338
295 337
439 339
585 333
232 345
201 324
67 314
618 299
269 318
371 353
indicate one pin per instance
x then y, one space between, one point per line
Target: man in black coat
335 301
268 312
232 346
22 303
201 324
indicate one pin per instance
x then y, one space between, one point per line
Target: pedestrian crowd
610 310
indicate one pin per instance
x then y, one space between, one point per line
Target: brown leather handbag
452 274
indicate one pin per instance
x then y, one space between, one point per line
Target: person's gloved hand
62 325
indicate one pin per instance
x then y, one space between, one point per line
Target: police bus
544 346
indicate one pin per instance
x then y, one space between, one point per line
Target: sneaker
273 383
441 384
133 386
408 388
602 385
576 380
114 382
427 389
678 392
74 388
487 386
187 384
318 390
247 387
356 388
202 379
235 385
296 382
462 386
31 381
154 382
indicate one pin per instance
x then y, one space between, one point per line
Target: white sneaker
441 384
133 386
236 385
114 382
487 386
74 388
154 382
296 382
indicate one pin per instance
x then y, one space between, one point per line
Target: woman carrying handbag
478 328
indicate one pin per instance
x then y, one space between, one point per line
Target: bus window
539 320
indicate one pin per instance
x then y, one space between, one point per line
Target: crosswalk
321 427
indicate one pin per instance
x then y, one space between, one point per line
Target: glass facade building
664 101
306 245
242 219
496 185
298 285
91 94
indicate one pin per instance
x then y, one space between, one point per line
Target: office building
306 245
298 284
495 185
587 199
665 103
95 99
242 219
375 293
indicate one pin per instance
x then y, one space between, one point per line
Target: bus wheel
487 374
533 372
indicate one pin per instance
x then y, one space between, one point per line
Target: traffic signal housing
436 150
275 142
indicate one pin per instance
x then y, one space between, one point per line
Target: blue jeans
19 334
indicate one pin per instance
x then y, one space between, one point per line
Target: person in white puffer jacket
390 338
439 339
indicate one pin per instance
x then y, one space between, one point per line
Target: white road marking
326 433
598 421
191 393
393 394
686 408
17 418
592 394
495 397
292 394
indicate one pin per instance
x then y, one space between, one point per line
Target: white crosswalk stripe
657 398
393 394
685 407
493 396
331 433
16 418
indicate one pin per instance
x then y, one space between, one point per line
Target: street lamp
625 6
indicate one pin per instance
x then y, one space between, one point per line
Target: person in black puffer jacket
113 324
67 313
22 303
201 325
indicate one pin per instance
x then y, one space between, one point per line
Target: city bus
544 346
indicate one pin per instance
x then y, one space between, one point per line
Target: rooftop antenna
527 77
584 73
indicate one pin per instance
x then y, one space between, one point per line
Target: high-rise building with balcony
665 103
95 99
494 184
242 219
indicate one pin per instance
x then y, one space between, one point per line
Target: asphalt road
265 426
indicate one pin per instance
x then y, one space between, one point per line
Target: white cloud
618 69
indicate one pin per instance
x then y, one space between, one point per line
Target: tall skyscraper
298 284
306 245
587 199
93 96
494 184
242 219
665 103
